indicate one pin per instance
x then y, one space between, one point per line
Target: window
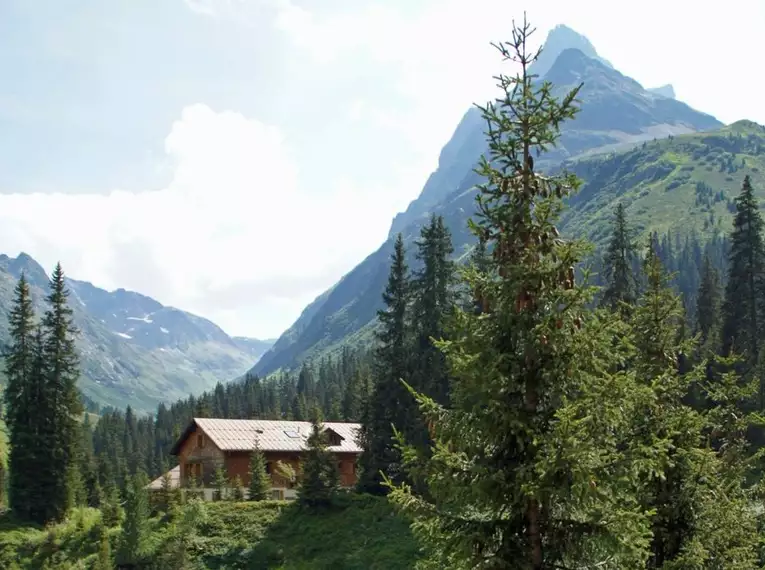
333 438
291 433
268 467
277 495
200 440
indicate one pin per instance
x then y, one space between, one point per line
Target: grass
359 533
682 184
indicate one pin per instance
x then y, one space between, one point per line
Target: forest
542 405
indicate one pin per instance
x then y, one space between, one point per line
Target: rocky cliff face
617 114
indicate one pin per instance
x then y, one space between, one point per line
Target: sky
235 158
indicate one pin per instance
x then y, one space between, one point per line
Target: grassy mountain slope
682 184
617 114
133 349
685 183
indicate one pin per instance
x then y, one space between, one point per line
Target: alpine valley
675 168
134 350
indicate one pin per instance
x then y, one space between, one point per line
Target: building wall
198 454
238 464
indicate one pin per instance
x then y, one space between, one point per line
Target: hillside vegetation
362 533
682 184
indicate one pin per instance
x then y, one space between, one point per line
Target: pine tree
524 471
390 404
260 481
708 305
683 478
236 489
134 529
166 495
220 483
61 399
432 299
620 291
320 477
104 560
20 404
742 311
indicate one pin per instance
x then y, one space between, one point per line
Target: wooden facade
199 457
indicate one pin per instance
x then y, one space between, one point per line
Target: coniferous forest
538 404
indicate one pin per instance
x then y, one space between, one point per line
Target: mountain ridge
609 100
134 349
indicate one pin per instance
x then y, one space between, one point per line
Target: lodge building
207 443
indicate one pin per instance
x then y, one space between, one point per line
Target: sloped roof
175 479
270 435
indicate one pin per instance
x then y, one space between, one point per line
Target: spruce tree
220 483
134 528
320 478
683 478
432 299
620 291
525 472
708 305
390 405
61 399
21 404
104 560
260 481
742 310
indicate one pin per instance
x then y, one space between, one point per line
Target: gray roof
271 435
175 479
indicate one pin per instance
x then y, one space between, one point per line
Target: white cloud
239 235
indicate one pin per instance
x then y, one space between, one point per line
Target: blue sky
234 158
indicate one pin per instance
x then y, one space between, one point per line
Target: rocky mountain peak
24 263
560 39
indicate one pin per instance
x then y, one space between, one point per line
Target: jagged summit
560 39
24 263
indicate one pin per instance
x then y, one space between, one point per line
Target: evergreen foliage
319 472
134 529
260 481
521 475
220 483
390 404
620 292
61 405
21 400
743 318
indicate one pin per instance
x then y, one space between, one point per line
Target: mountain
665 91
617 114
133 349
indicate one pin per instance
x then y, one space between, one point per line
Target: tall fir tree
134 528
62 402
432 299
260 481
742 311
682 477
21 403
320 477
708 302
621 288
390 405
520 475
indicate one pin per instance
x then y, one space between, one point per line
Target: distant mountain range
134 350
627 143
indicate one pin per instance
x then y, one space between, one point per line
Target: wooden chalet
207 443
